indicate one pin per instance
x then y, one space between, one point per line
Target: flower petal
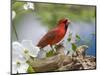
16 46
14 68
27 44
23 68
41 54
35 51
30 5
17 50
25 6
13 14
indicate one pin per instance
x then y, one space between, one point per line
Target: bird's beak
68 22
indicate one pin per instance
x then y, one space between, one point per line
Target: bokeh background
31 20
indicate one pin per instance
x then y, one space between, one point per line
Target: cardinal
55 35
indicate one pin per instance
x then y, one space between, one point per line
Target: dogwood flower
21 53
19 67
28 5
13 14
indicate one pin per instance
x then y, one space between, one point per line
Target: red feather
55 35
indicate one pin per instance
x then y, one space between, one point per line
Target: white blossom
28 5
13 14
19 67
21 53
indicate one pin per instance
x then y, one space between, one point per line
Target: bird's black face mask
66 25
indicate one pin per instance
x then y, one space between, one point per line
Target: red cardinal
55 35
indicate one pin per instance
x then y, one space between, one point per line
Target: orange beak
68 22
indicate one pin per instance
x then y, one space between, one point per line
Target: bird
55 35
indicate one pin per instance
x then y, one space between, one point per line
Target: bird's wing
47 38
50 35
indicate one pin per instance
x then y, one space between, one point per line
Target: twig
15 31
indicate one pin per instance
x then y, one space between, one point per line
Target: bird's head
64 22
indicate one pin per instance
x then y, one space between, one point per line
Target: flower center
18 63
26 51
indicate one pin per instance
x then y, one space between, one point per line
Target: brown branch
60 61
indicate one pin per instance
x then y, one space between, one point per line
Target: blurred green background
49 13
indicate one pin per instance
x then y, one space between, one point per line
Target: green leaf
18 6
50 53
69 39
78 37
74 46
70 34
30 69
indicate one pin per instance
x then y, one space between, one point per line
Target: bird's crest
63 20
